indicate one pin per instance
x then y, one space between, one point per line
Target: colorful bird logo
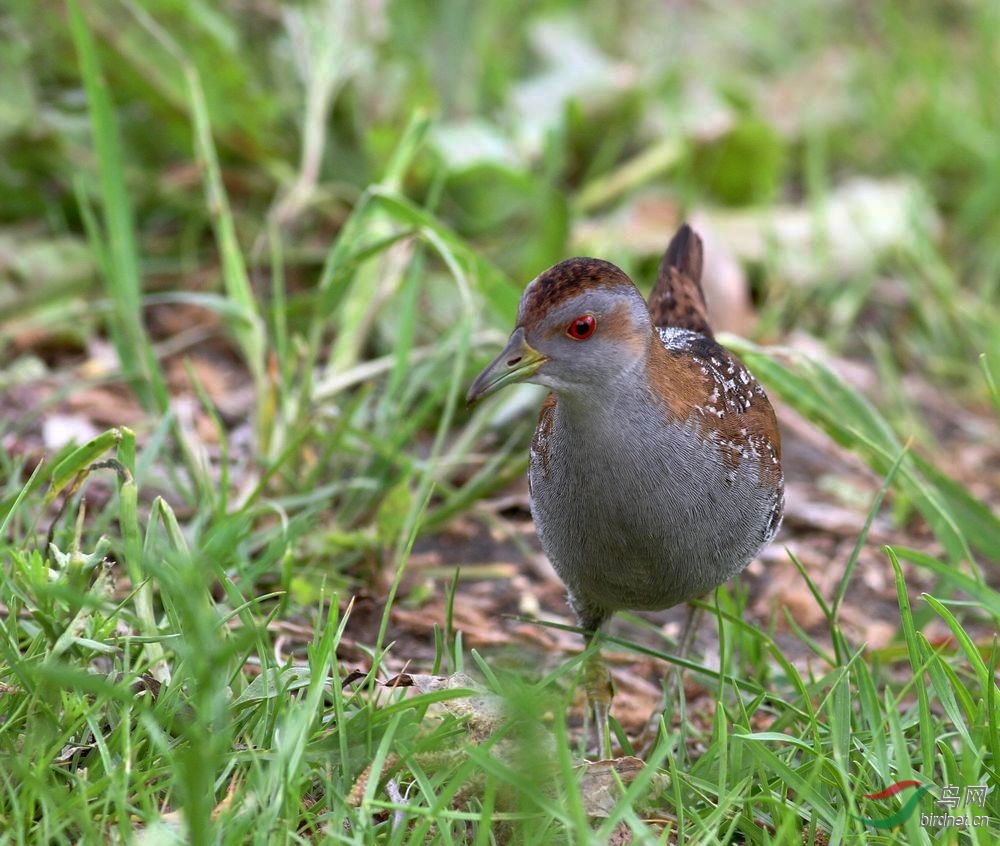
903 814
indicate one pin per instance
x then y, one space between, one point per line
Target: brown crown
568 279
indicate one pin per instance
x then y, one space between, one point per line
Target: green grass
149 579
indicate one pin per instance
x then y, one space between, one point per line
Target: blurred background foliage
544 114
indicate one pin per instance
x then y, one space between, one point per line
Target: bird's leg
674 685
600 691
689 633
596 676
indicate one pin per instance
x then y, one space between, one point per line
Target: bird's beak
517 362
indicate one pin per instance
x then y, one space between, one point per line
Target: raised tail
677 299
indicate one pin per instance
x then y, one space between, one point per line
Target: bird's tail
677 299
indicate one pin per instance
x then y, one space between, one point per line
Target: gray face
619 339
546 348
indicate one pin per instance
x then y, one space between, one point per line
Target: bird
655 467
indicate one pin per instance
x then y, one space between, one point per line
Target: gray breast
637 514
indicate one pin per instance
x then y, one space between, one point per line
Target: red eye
582 327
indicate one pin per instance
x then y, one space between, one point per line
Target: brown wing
677 299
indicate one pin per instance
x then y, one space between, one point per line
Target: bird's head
581 325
